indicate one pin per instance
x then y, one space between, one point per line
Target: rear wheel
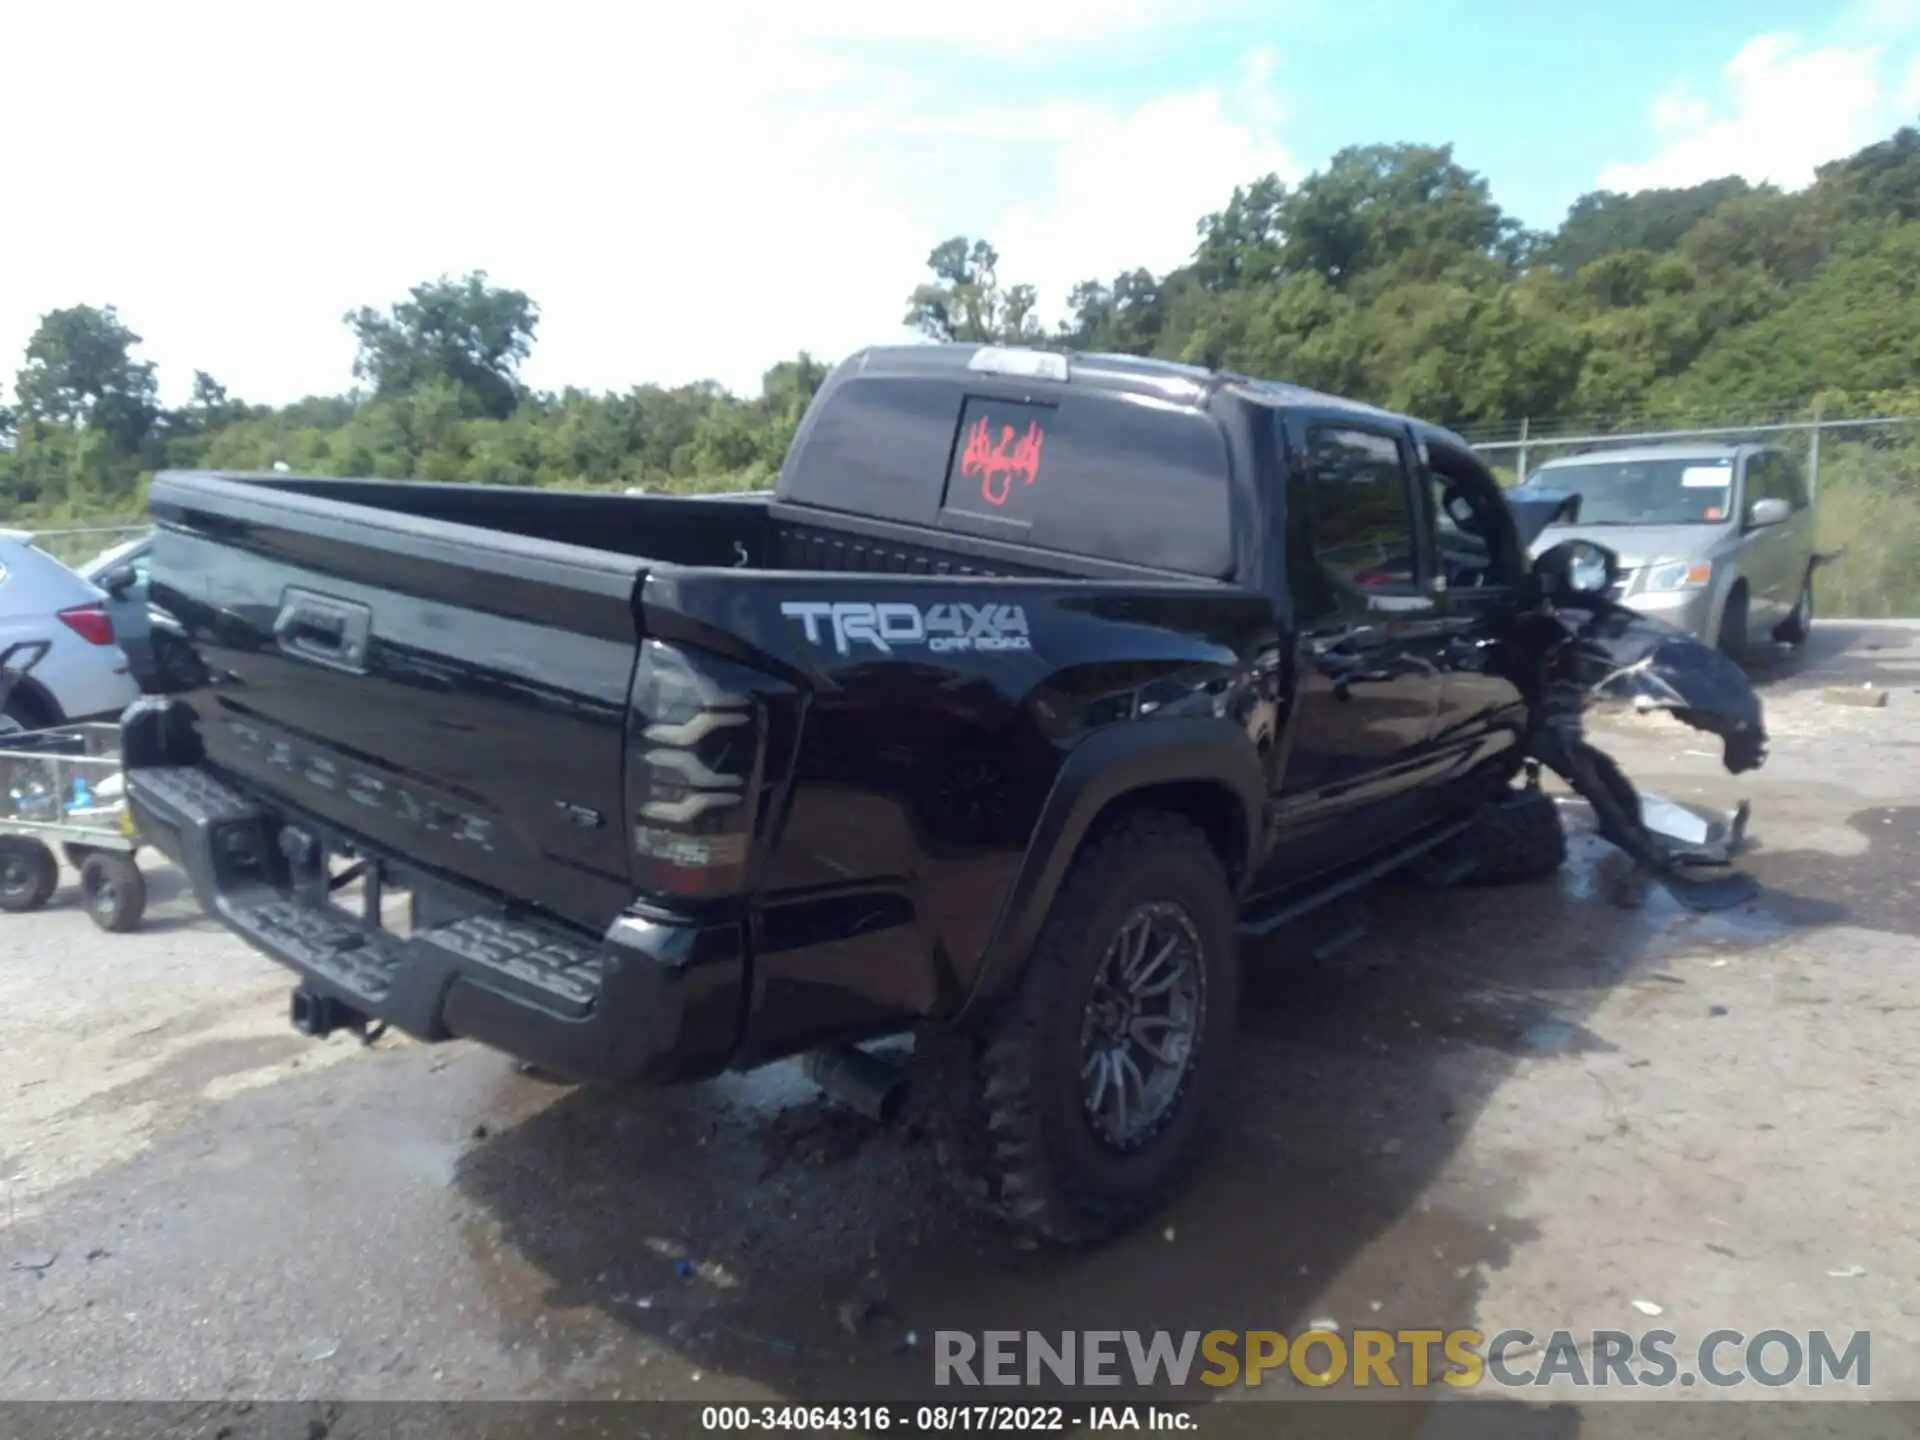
22 712
28 873
113 890
1795 629
175 665
1089 1095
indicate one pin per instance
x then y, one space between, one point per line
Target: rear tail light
90 622
694 779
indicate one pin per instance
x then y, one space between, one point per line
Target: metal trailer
64 786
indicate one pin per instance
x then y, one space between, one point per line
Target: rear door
1767 551
1359 742
1801 529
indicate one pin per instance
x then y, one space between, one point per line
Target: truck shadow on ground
750 1229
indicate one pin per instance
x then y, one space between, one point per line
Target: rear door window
1360 503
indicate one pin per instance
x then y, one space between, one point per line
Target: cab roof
1167 380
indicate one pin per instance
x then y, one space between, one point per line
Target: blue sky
696 192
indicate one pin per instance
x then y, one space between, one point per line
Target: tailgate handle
323 629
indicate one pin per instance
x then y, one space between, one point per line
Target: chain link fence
75 545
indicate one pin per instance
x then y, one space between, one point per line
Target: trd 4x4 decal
941 628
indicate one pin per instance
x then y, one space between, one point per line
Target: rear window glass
1092 473
996 466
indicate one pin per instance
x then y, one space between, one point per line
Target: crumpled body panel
1653 665
1596 649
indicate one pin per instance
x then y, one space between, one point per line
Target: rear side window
1088 472
1361 507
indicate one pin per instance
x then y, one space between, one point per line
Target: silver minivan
1717 539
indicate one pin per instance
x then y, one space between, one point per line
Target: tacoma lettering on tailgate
329 772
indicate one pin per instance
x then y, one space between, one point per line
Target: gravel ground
1529 1108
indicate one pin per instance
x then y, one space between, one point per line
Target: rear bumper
650 1000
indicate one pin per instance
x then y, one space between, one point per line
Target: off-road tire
1518 839
1014 1136
1732 639
113 890
29 874
1795 629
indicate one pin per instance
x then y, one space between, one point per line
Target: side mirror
119 580
1577 568
1768 512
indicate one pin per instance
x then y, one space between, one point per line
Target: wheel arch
29 694
1206 771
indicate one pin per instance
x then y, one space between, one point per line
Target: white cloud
697 194
1783 109
1128 189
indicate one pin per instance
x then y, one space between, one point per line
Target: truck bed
746 532
447 671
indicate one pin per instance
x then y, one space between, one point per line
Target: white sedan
84 674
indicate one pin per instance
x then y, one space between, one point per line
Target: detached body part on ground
1035 683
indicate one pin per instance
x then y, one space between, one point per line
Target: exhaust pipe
858 1080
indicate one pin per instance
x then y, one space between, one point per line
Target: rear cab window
1090 472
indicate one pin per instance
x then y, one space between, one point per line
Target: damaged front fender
1625 656
1578 646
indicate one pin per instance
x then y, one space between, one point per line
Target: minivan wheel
1795 629
1088 1096
1732 640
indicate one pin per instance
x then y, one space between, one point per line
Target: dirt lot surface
1548 1107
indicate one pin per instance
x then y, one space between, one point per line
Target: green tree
466 332
1375 205
1605 221
965 300
80 371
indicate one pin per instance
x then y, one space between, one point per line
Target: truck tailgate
488 673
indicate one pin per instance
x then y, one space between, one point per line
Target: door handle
323 629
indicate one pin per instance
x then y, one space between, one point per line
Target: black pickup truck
1037 681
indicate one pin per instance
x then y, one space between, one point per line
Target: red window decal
1714 512
997 464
